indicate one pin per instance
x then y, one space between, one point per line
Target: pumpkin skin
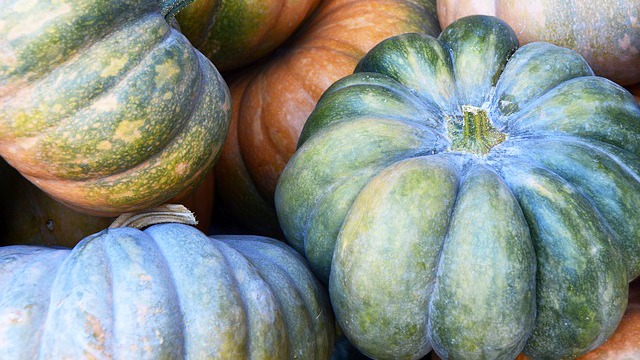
607 35
104 106
625 342
28 216
527 244
272 101
165 292
234 33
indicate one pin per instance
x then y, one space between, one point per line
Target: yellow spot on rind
114 67
129 131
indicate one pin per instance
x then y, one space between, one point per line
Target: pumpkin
481 197
607 34
166 292
234 33
625 342
28 216
103 105
272 101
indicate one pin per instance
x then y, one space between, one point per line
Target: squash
470 195
103 105
273 100
166 292
625 342
606 34
28 216
234 33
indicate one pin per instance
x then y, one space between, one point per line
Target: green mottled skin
527 247
122 117
125 293
233 33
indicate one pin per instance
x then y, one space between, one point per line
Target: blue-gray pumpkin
168 292
469 195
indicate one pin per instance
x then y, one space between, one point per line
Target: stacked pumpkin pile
472 191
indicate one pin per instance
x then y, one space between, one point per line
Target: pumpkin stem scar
473 133
168 213
172 7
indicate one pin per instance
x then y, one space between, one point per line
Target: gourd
272 101
103 105
607 35
469 195
28 216
625 342
234 33
168 291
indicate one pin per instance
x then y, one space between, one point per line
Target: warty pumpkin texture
234 33
103 105
168 292
272 101
469 195
606 33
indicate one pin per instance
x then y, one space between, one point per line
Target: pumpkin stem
474 134
168 213
171 7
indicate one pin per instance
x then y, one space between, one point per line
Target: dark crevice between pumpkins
167 213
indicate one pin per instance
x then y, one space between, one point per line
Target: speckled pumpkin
606 33
482 198
103 105
234 33
168 292
271 102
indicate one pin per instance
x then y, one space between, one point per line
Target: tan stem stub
167 213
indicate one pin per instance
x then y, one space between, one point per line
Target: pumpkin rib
294 285
128 18
174 289
88 178
40 133
35 82
609 217
459 317
246 293
253 254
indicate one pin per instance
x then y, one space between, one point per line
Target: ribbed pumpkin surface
103 105
168 292
272 101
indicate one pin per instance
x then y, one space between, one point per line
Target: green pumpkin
103 105
168 292
234 33
481 198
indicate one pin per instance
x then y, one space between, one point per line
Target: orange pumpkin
606 34
271 102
